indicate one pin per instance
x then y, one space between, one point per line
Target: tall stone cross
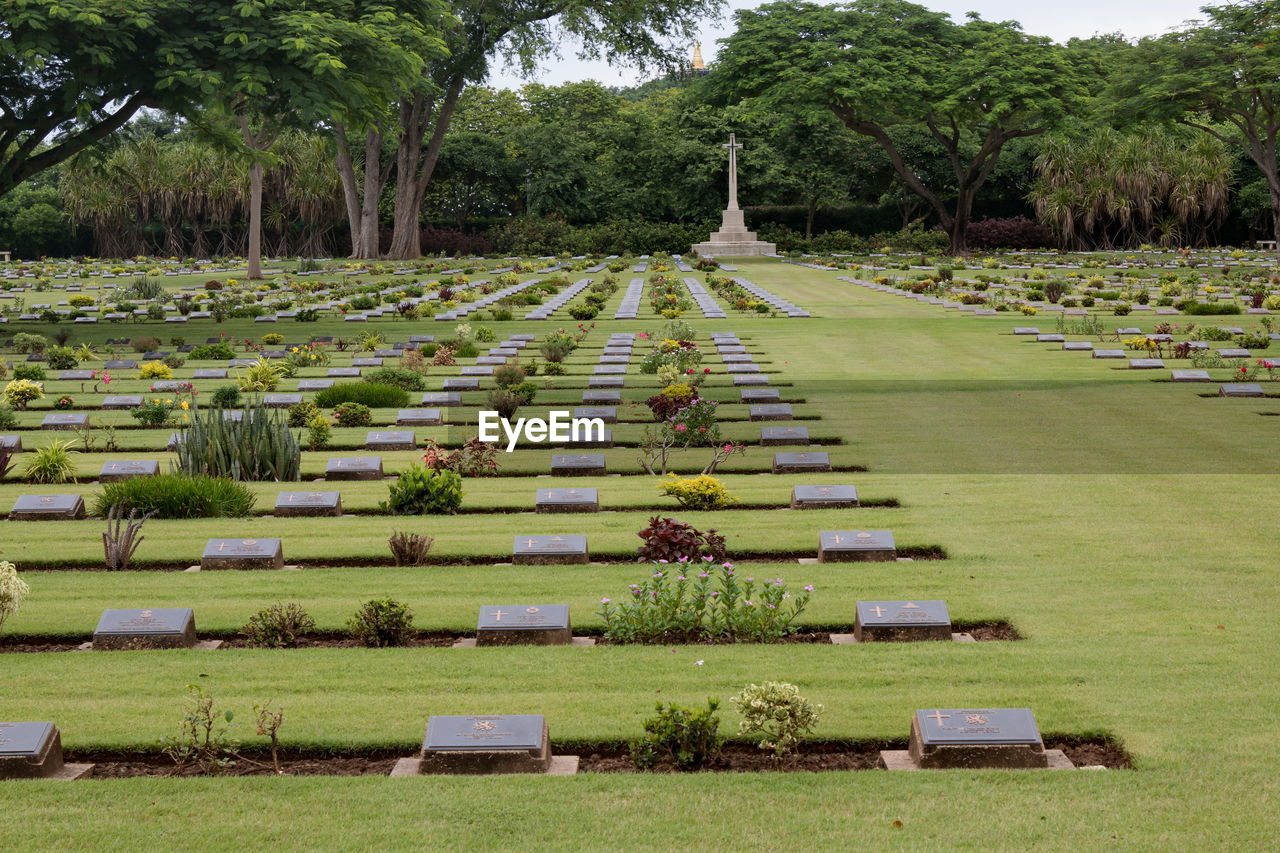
734 147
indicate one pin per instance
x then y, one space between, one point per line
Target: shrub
443 356
319 430
553 368
203 740
485 335
509 374
8 420
702 601
700 492
155 370
64 402
277 626
52 463
670 400
225 397
273 339
1255 341
686 737
373 395
155 412
13 590
212 352
300 414
1054 288
257 447
671 540
1201 309
583 311
1214 333
353 415
1122 309
21 392
145 344
62 358
1016 232
397 377
382 622
777 711
177 496
34 372
26 342
476 458
425 491
262 375
409 549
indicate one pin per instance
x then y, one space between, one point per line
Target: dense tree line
358 127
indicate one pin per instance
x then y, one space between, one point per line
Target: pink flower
704 370
604 601
809 588
681 428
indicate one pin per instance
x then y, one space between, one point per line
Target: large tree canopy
1221 77
883 66
642 32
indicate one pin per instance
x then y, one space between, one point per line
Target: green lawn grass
1123 526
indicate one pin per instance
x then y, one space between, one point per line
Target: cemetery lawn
1123 526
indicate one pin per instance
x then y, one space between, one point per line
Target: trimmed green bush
397 377
177 496
371 394
425 491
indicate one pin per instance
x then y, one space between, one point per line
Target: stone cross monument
733 238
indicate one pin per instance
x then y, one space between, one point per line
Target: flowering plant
698 601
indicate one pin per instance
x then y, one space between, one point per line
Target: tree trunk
809 216
255 221
350 189
960 221
374 177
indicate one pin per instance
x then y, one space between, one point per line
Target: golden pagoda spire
698 64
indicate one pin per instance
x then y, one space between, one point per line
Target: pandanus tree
1105 188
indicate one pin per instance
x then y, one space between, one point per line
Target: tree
882 66
293 63
641 32
1221 77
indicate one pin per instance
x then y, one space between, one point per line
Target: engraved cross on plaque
937 715
878 610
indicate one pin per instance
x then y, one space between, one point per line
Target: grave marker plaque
164 628
419 417
783 435
800 463
242 554
314 384
462 383
65 420
1240 389
397 440
524 625
823 497
856 546
567 500
901 621
770 412
126 469
607 414
1145 364
47 508
121 401
30 750
442 398
210 373
280 401
578 465
602 397
760 395
354 468
976 737
486 744
74 375
308 504
1190 375
557 549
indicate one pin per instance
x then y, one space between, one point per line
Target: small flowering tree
698 601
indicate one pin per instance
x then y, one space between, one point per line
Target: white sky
1058 20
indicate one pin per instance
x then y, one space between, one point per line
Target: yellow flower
185 405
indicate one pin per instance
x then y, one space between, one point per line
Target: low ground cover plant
177 495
